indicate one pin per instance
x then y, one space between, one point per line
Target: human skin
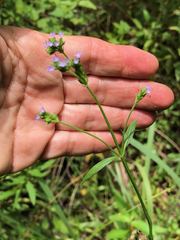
116 74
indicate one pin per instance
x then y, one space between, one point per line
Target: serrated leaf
87 4
31 192
97 167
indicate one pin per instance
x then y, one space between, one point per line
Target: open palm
116 73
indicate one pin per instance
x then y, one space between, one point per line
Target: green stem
122 157
129 115
104 115
139 197
90 134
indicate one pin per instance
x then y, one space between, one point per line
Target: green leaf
130 130
35 172
87 4
115 234
31 192
137 23
97 167
121 217
57 208
141 225
7 194
146 187
128 135
146 15
148 152
59 225
175 28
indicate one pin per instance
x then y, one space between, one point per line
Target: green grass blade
150 140
31 192
146 151
147 188
57 207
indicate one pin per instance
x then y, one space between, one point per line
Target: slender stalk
125 164
129 115
90 134
139 197
104 115
123 159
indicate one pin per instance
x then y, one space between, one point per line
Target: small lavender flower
61 34
78 55
48 44
40 113
37 117
77 58
42 110
52 34
63 63
56 44
55 59
51 68
148 90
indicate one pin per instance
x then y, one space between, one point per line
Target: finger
75 143
118 93
89 117
105 59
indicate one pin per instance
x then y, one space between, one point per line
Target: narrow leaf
31 192
87 4
59 211
146 187
97 167
146 151
128 135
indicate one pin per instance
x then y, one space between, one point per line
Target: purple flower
63 63
51 68
61 34
42 110
52 34
148 90
48 44
55 59
78 55
56 44
77 58
37 117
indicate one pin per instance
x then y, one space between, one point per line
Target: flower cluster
65 64
46 116
142 93
55 43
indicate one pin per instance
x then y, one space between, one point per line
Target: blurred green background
47 201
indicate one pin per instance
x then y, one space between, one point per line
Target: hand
116 74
